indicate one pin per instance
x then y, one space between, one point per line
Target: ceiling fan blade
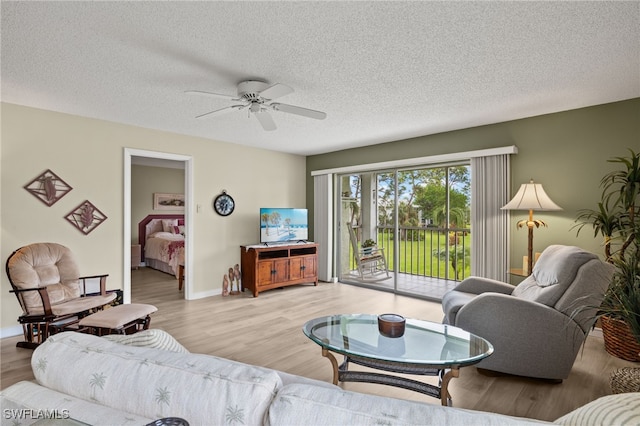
265 120
305 112
212 95
275 91
219 111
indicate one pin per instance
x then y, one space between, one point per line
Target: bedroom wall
88 155
145 181
567 152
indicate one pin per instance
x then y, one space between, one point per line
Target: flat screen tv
281 225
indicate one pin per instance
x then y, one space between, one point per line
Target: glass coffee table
426 348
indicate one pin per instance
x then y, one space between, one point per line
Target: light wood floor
267 331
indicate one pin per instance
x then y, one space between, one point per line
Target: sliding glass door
419 220
358 223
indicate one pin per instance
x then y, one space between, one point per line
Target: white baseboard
203 294
15 330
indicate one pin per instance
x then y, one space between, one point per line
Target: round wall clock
223 204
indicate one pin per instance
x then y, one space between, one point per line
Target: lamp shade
531 196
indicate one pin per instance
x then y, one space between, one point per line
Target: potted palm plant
617 220
368 245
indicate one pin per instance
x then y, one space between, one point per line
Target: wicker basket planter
619 341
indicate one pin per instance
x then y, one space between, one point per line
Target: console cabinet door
302 267
311 267
281 267
296 268
265 275
273 271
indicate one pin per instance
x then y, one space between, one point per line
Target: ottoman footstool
120 319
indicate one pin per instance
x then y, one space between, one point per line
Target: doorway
131 156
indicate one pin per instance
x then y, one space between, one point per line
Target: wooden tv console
267 267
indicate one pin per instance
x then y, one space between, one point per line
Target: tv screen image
283 225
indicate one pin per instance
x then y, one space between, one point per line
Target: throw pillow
620 409
152 338
168 224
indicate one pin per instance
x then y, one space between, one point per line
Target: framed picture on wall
164 201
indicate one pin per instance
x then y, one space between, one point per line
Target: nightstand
135 256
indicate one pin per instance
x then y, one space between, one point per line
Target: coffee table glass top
423 342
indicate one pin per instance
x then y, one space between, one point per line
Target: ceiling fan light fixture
255 107
257 97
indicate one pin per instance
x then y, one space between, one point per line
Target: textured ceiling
382 71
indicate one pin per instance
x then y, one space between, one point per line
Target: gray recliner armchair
538 326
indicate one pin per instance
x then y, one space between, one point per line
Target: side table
135 256
180 276
518 272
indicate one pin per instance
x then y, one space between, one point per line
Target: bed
161 238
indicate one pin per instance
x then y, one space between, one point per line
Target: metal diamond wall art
86 217
48 188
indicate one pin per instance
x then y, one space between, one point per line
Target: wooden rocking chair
46 280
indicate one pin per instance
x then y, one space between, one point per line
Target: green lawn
417 257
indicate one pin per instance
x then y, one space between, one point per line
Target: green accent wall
566 152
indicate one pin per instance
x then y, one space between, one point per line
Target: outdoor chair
538 326
46 280
371 262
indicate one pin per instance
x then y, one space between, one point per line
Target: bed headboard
150 224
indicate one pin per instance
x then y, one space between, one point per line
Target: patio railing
427 251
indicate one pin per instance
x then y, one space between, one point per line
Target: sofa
141 378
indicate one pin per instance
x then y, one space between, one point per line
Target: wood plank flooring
267 331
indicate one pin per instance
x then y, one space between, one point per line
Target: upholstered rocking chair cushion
80 304
52 266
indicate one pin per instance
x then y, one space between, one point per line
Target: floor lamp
531 197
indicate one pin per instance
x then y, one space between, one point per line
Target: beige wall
145 181
88 155
567 152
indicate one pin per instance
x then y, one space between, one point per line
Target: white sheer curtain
490 190
323 224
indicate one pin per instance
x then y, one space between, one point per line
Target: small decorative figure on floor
225 285
236 274
233 292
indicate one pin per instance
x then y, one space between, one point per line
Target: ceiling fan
256 97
